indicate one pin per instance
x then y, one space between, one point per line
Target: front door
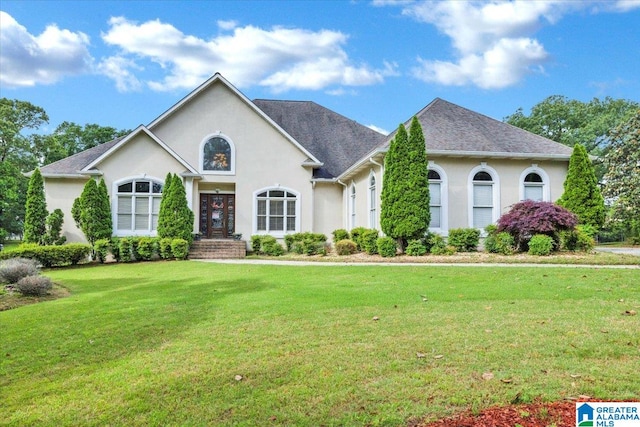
217 215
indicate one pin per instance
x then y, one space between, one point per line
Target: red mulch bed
539 414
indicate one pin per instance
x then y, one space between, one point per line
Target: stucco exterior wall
60 194
264 158
328 209
509 173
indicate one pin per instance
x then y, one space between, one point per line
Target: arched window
137 205
373 219
352 206
277 211
217 155
534 184
484 200
435 199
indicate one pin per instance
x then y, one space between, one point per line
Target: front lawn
188 343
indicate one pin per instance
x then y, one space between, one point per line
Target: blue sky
123 63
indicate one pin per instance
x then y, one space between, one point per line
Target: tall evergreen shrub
581 191
35 210
404 211
175 219
92 212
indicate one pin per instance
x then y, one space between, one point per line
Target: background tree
622 179
16 157
404 211
70 138
35 210
582 194
90 214
175 216
572 122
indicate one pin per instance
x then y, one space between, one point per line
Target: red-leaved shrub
528 218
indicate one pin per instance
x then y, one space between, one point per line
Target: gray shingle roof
335 140
449 127
75 163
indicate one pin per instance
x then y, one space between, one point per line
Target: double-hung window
372 202
533 187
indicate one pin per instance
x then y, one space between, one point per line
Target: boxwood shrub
541 244
346 247
464 239
387 246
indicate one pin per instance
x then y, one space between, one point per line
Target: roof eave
499 155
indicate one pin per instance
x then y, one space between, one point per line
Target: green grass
160 343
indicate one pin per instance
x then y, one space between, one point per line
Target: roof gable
85 162
449 128
130 137
335 140
218 79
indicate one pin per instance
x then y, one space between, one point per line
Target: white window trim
277 234
232 147
352 206
372 200
114 207
444 200
546 192
495 214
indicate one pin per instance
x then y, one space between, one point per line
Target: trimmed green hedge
51 256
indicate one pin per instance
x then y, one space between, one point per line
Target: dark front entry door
217 215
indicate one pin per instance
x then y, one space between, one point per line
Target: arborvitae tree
90 213
54 222
164 219
581 192
177 218
106 220
35 210
404 211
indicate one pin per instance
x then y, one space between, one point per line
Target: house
277 167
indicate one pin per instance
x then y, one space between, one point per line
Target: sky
379 62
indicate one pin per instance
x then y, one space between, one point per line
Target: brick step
218 249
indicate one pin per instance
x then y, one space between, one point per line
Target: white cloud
279 58
493 40
118 69
626 5
503 65
227 25
29 60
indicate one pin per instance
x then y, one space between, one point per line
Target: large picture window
137 206
276 211
217 155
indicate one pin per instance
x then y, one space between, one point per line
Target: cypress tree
581 192
35 210
404 211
